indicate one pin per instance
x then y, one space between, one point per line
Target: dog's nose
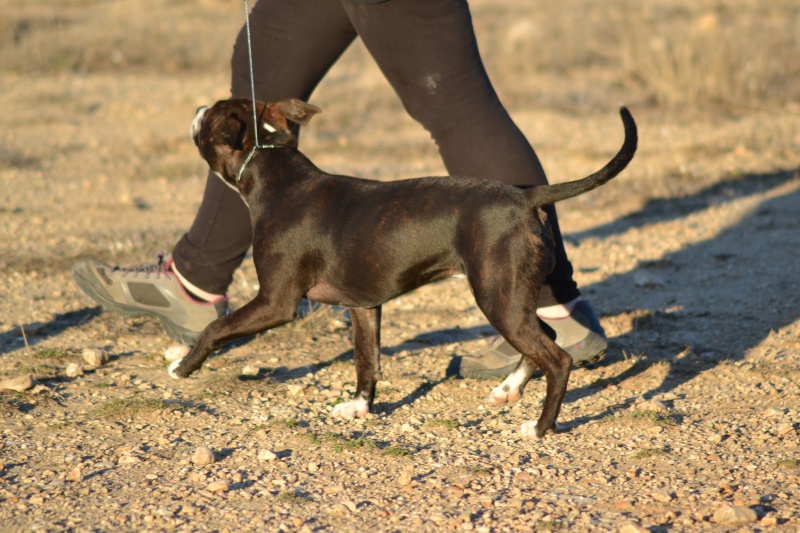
198 119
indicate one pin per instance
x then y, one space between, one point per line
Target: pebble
250 371
266 455
632 527
661 495
294 390
129 460
218 486
650 405
18 384
405 477
75 475
94 357
175 352
733 515
74 370
203 456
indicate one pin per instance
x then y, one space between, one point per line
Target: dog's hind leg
254 317
509 303
367 348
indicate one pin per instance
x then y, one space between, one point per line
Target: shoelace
159 268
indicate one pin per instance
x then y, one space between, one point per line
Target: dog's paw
504 394
171 369
357 408
530 430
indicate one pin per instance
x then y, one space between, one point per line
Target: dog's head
224 132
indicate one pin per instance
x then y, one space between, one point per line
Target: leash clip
250 156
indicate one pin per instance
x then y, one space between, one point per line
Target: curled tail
550 194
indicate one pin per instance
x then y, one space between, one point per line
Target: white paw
171 369
500 396
528 429
357 408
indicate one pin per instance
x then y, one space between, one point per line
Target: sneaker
149 291
579 334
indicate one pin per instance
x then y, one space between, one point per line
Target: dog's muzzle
198 119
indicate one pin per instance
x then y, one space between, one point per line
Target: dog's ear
294 110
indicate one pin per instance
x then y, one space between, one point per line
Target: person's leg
294 44
428 52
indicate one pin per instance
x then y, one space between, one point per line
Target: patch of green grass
340 443
51 354
442 423
313 439
550 525
132 407
293 497
788 465
101 385
659 418
396 451
646 453
287 423
61 425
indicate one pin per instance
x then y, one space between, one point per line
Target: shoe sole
174 331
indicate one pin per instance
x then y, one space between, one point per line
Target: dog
359 243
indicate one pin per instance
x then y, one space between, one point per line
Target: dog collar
250 156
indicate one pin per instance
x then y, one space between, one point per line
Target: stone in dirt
75 475
219 486
733 515
94 357
203 456
74 370
266 455
632 527
18 384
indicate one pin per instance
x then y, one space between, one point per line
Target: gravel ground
692 422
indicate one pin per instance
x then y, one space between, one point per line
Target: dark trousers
428 53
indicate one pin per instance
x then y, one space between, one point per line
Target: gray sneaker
150 291
579 334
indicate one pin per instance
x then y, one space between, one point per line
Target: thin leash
256 146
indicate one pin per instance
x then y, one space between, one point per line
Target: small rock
266 455
716 438
632 527
734 515
74 370
405 477
351 506
650 405
203 456
783 429
129 460
643 278
250 371
661 495
219 486
294 390
18 384
75 475
174 352
773 413
94 357
769 521
313 467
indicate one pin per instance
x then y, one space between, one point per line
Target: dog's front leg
367 348
254 317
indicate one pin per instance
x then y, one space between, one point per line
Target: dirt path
692 257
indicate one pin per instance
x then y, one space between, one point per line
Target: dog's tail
549 194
